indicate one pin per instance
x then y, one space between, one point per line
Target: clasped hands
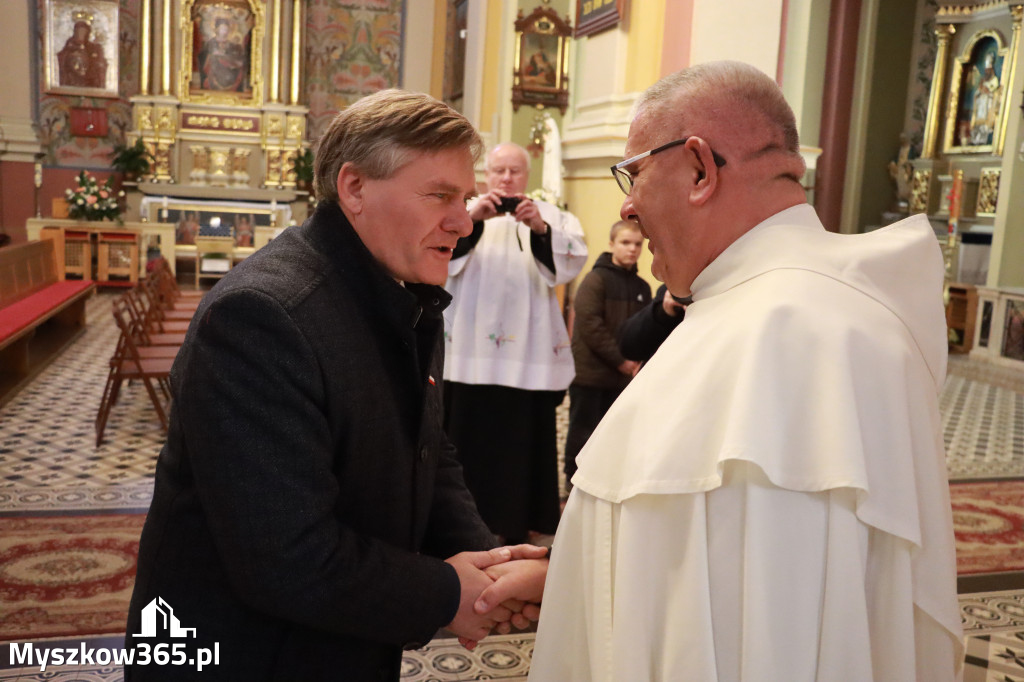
501 587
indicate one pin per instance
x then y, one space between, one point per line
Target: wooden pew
40 313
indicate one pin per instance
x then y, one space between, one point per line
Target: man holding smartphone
508 358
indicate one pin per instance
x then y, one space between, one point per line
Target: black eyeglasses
625 178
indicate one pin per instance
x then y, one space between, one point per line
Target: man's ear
351 185
705 177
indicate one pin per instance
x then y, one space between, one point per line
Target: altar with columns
219 110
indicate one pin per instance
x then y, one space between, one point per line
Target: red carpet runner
66 576
988 520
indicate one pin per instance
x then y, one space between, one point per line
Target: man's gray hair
736 85
380 133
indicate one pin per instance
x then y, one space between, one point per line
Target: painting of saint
222 51
981 95
538 67
80 55
81 62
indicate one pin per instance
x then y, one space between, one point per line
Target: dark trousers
587 406
505 438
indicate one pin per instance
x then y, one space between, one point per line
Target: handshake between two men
501 588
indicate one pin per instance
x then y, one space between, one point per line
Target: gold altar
219 104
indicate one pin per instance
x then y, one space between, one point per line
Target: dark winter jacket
607 296
307 494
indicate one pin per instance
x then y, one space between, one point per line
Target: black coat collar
332 234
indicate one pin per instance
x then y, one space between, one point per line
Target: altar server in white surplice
767 500
507 358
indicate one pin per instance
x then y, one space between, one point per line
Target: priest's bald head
712 151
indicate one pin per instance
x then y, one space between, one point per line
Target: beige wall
17 139
737 29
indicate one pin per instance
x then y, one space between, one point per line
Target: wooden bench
40 312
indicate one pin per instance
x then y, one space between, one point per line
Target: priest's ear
705 171
351 184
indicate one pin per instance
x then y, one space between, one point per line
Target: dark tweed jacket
307 494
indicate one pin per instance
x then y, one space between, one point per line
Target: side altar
971 172
219 112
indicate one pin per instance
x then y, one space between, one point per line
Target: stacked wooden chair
152 319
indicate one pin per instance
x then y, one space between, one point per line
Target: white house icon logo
158 615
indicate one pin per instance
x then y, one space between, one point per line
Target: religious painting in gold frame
80 47
541 76
978 97
222 51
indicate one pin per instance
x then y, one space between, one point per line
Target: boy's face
626 248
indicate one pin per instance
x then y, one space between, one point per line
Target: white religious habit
767 501
504 326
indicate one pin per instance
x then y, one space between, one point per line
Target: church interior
148 146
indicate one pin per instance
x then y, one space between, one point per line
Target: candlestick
38 184
955 197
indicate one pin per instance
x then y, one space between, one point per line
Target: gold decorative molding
220 123
919 191
240 167
162 154
988 191
200 165
296 128
218 174
931 128
963 12
274 175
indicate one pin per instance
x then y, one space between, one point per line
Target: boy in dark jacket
608 295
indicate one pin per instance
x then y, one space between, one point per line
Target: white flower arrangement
89 200
544 195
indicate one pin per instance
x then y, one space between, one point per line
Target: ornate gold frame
186 93
542 25
960 65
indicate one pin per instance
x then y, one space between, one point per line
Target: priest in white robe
767 501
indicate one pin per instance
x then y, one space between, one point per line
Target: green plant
89 200
132 160
304 167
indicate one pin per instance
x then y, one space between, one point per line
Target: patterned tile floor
49 464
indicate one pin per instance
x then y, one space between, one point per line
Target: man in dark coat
307 497
610 293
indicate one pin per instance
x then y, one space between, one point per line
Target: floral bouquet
89 200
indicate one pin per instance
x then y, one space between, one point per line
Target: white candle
165 203
273 204
39 175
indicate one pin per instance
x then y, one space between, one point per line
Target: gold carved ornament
919 191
